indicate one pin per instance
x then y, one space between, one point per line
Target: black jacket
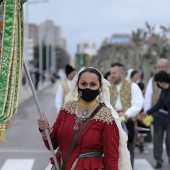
163 102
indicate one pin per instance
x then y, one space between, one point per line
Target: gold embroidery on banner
104 114
13 74
11 54
19 59
9 96
6 51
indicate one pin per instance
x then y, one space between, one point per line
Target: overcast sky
93 20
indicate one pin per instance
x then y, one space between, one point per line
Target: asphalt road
23 140
24 148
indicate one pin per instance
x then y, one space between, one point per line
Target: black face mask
158 86
87 94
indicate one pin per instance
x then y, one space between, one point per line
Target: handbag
78 134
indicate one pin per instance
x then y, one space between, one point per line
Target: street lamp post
52 59
47 58
40 51
27 34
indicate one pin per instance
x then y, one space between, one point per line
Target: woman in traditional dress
102 143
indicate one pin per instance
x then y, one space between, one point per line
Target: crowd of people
107 114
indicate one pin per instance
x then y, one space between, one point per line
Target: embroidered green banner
11 29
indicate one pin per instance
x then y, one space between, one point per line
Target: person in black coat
162 79
37 78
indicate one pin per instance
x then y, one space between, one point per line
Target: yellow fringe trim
3 128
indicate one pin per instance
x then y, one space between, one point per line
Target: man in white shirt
160 124
127 99
64 86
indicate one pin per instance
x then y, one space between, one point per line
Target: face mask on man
159 86
87 94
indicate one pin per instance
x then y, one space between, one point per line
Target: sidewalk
26 93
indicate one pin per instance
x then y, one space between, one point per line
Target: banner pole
40 114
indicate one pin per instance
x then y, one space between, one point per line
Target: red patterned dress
101 134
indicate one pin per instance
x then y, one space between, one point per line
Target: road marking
18 164
27 164
23 150
141 164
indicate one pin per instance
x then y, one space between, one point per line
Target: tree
141 53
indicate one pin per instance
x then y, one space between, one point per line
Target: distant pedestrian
128 74
159 125
135 76
142 133
108 77
37 78
127 99
64 86
23 79
44 76
162 79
